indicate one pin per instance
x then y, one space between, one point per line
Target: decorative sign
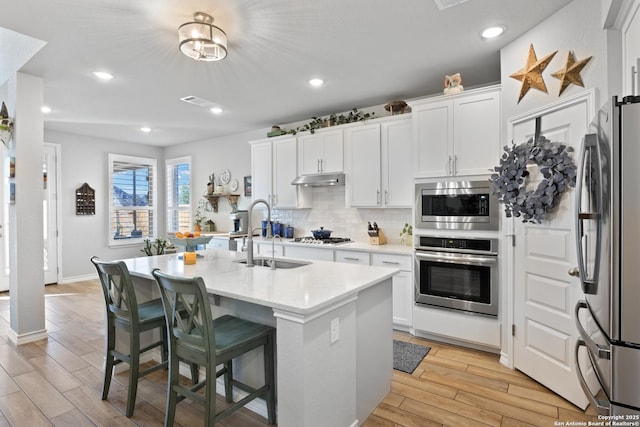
85 200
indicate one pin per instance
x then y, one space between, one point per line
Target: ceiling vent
198 102
446 4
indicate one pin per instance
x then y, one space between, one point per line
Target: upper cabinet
377 166
320 152
273 167
457 135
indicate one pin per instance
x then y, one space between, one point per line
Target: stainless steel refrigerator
608 243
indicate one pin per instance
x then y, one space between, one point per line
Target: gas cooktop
326 241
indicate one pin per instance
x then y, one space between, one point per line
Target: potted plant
198 219
406 235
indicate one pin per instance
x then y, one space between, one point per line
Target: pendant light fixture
201 40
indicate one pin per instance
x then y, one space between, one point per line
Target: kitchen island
333 322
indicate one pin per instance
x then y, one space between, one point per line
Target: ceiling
368 52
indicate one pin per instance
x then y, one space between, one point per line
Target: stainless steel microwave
456 205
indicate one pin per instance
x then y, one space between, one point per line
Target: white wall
576 27
84 159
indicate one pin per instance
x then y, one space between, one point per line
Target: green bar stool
124 312
199 339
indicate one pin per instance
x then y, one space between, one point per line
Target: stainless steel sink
279 263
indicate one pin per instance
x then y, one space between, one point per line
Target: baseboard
19 339
458 342
74 279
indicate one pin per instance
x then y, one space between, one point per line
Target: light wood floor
58 381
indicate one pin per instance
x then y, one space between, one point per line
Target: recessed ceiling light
145 129
216 110
316 82
491 32
103 75
45 109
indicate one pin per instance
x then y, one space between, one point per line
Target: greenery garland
510 178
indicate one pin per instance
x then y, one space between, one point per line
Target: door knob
574 272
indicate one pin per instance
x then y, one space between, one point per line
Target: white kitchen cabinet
362 165
397 155
403 292
321 152
378 164
266 249
457 135
273 167
219 243
352 257
310 253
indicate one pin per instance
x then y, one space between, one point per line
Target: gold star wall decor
531 74
571 72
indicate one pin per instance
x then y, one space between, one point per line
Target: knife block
380 239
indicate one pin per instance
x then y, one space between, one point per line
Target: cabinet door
362 166
403 296
284 171
476 138
333 156
261 165
397 155
310 152
353 257
433 137
305 252
321 152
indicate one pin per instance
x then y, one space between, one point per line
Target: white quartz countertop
302 290
349 246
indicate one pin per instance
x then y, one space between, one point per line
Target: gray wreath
510 178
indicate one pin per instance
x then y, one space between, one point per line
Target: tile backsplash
329 211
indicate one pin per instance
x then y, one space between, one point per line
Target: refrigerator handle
602 352
589 154
601 405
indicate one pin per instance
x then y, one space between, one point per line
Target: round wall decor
510 178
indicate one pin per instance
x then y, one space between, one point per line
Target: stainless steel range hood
319 180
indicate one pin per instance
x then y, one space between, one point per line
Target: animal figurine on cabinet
453 84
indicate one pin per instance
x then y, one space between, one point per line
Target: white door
4 219
544 293
50 213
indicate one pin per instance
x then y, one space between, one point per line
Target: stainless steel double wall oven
456 271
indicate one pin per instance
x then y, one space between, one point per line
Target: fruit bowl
190 243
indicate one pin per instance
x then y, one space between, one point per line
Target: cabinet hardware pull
318 166
352 258
450 172
378 197
386 197
455 165
391 262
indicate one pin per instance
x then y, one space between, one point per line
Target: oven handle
448 257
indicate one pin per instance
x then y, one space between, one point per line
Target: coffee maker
240 225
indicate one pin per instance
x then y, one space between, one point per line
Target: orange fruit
179 234
196 234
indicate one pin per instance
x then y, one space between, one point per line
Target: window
132 199
178 194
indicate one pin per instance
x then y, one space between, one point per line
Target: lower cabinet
403 294
318 254
218 243
352 257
